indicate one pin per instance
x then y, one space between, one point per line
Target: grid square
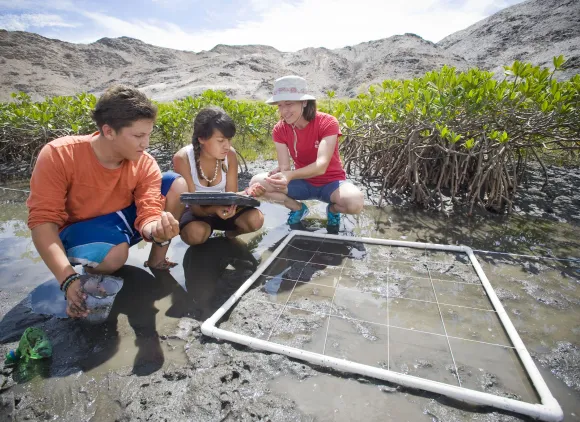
379 254
312 297
359 262
399 270
306 243
405 254
337 247
285 268
447 257
311 272
412 288
459 273
368 307
474 324
271 289
253 319
358 250
296 254
301 329
462 294
415 315
360 256
422 355
493 369
364 280
333 260
357 341
322 274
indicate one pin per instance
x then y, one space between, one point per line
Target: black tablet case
218 198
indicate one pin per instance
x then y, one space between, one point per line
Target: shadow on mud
213 271
78 345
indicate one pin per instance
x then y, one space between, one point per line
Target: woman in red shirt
310 138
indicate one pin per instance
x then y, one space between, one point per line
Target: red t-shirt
307 143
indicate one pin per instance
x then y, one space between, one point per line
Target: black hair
206 122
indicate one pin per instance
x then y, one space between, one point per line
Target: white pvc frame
548 410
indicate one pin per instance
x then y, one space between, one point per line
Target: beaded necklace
209 181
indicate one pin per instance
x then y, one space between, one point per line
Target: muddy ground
151 362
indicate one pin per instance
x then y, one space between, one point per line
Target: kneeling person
209 164
94 196
310 139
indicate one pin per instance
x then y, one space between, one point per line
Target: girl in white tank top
212 133
220 187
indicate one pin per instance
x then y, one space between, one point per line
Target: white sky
286 25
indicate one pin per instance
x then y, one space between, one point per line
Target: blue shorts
300 190
88 242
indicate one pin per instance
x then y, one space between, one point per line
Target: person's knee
255 220
195 234
115 259
356 203
178 187
173 202
352 203
259 178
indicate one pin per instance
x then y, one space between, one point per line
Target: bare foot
164 265
157 258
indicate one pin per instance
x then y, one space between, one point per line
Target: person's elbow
321 166
176 164
45 219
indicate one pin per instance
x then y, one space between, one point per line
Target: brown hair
120 106
309 112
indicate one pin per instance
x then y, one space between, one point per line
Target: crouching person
92 197
209 164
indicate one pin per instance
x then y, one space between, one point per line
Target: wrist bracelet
68 281
152 240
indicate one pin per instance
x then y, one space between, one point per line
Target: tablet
218 198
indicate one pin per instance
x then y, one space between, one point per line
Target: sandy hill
535 31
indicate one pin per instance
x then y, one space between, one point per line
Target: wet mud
151 362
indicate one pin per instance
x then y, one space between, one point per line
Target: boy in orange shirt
94 196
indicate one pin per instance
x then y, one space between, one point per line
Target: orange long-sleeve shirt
69 184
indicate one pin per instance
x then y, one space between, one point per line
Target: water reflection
93 345
306 259
47 299
213 271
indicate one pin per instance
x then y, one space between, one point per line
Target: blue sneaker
332 221
295 217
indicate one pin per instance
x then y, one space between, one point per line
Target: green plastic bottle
34 344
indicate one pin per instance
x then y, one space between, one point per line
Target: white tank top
220 187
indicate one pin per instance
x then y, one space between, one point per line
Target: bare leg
195 233
114 260
248 222
175 207
347 199
273 195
